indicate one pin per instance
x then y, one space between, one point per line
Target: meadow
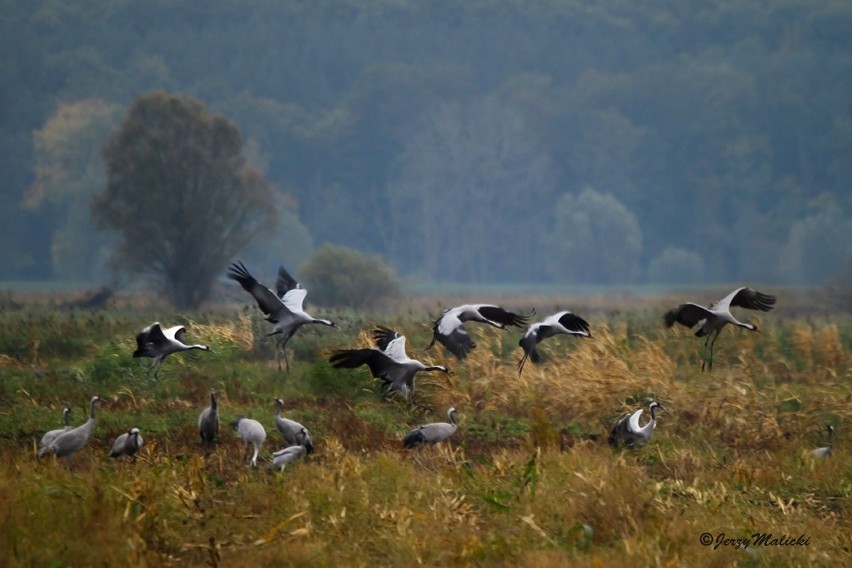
527 480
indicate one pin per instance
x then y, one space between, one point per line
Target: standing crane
563 322
251 432
284 307
127 444
159 343
825 451
68 443
627 431
293 432
389 363
713 318
286 456
53 434
449 330
432 433
208 421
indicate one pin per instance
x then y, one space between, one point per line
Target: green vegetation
341 276
528 480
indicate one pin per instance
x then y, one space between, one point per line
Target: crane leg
283 345
710 360
278 349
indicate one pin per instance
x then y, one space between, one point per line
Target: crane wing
457 341
178 332
294 299
284 283
575 324
753 300
381 366
688 314
383 336
266 299
501 316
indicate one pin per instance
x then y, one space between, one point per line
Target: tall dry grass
528 480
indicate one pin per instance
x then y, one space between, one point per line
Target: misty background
564 142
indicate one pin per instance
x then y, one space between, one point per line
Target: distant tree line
483 141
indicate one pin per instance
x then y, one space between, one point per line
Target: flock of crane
389 363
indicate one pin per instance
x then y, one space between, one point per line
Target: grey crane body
432 433
251 432
560 323
158 343
50 436
391 364
713 318
68 443
293 432
127 444
286 456
627 431
449 330
825 451
208 421
283 308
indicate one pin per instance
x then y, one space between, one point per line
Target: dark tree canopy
180 195
442 135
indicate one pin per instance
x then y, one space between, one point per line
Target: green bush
341 276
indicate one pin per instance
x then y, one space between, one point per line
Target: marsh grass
528 480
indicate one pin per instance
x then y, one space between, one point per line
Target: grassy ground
528 480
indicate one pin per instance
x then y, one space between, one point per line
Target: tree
676 266
69 171
595 240
470 187
818 247
180 195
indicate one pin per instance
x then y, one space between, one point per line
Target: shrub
341 276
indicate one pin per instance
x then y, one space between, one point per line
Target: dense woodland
559 141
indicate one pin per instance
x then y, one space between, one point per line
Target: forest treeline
481 141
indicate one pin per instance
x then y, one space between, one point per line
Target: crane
52 434
389 363
208 421
293 432
563 322
127 444
68 443
825 451
432 433
283 308
286 456
251 432
627 431
449 330
154 341
713 318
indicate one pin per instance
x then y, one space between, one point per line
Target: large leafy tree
180 195
68 171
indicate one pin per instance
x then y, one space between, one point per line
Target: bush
341 276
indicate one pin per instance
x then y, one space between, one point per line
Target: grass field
528 479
